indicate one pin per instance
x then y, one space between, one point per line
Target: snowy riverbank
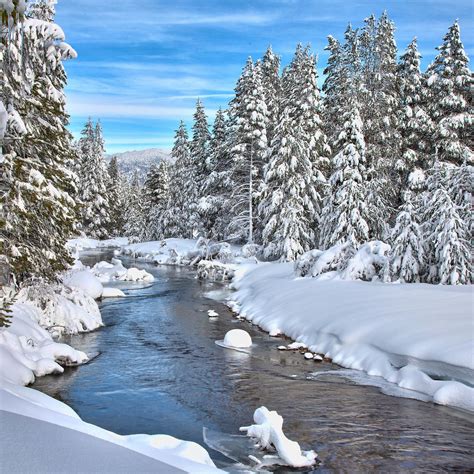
414 335
30 348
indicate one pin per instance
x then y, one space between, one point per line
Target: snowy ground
47 432
414 335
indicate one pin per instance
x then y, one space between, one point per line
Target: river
160 371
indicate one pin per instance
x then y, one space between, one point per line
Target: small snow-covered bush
370 262
63 310
317 262
213 270
251 250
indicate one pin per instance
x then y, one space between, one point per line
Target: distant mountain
139 160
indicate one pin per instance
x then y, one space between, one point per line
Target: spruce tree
181 218
407 256
345 214
115 191
451 82
93 175
135 224
249 146
271 84
289 205
157 196
414 123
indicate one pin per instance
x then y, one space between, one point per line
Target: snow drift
417 336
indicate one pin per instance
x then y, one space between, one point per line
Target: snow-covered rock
86 281
268 431
237 338
112 293
28 351
115 270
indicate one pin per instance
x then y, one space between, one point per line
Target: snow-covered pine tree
271 84
302 98
290 195
414 123
345 214
451 82
93 180
37 209
248 113
116 192
181 218
156 195
407 255
217 189
135 225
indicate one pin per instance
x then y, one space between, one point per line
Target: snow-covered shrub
317 262
213 270
251 250
371 262
62 310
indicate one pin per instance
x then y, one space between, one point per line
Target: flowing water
160 371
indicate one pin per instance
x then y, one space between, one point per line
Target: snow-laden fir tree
446 234
181 218
290 194
414 123
271 84
156 196
115 192
345 214
248 113
93 182
302 98
451 103
218 186
37 211
461 183
407 256
135 221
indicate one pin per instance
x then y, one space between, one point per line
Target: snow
112 293
84 243
167 251
237 338
212 314
268 431
417 336
106 272
44 414
28 351
86 281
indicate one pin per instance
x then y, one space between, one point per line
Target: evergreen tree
249 146
95 203
415 127
181 218
157 195
200 146
271 84
37 211
408 257
290 194
135 224
116 198
345 214
451 83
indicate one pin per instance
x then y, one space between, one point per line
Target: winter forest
362 172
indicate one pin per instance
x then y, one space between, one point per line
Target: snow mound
84 243
216 271
112 293
107 272
28 351
86 281
237 338
268 431
62 309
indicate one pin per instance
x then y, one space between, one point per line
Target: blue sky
143 63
